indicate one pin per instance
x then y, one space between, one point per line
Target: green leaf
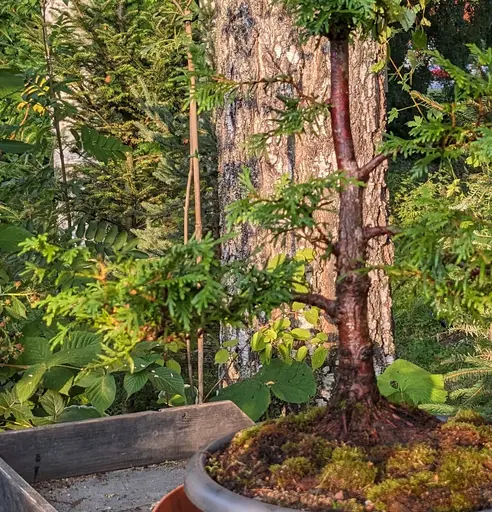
35 350
78 413
222 356
11 237
120 240
407 18
292 383
258 342
165 379
301 334
276 261
52 403
301 353
230 343
15 147
250 395
101 147
57 378
419 39
405 382
102 392
80 349
134 382
319 357
18 308
297 306
312 316
86 379
11 81
29 382
173 365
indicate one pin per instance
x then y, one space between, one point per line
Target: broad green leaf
405 382
258 342
250 395
276 261
165 379
57 378
419 39
11 237
80 349
134 382
222 356
78 413
312 316
15 147
11 81
407 18
319 357
297 306
35 350
301 334
29 382
102 392
230 343
52 403
292 383
173 365
86 379
83 339
17 309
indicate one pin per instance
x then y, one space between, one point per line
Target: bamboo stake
195 167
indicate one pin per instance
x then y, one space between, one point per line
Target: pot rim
206 494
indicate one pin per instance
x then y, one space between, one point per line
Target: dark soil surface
425 466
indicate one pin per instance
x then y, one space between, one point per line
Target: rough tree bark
255 39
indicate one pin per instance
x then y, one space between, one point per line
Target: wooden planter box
105 444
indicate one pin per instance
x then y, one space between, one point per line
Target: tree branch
375 231
319 301
365 171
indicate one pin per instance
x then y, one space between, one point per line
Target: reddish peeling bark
356 379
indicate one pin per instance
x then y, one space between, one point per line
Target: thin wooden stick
196 183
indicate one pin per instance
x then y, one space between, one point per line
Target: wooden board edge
17 495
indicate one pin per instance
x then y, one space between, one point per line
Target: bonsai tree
443 249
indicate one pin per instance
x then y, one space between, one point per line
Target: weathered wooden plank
16 495
117 442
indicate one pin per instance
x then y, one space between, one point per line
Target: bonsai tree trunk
255 39
356 379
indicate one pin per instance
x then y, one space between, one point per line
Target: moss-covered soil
287 462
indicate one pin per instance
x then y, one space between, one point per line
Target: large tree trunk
255 39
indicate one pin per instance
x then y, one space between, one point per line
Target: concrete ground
126 490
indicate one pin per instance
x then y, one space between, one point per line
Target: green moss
458 502
406 460
302 421
291 471
460 434
348 475
348 453
349 506
461 468
468 416
316 448
242 438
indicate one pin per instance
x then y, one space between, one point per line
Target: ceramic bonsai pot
176 501
209 496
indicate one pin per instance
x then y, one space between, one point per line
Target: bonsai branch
366 170
319 301
375 231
